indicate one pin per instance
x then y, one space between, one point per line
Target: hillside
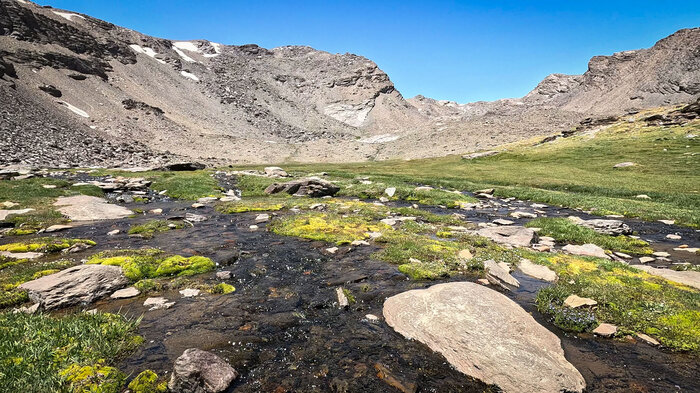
81 91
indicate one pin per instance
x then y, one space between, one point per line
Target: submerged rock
75 285
197 371
492 339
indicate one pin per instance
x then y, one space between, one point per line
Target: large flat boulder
513 235
586 250
197 371
6 213
485 335
75 285
689 277
604 226
90 208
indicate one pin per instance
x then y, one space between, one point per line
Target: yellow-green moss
245 205
44 244
327 227
43 273
223 288
150 263
150 228
97 378
21 231
424 271
147 382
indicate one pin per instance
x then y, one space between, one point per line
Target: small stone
112 233
191 217
197 205
465 255
372 318
605 330
624 165
575 301
224 275
157 303
622 255
643 196
342 299
537 271
332 250
359 243
156 211
483 281
55 228
488 191
383 199
522 214
125 293
390 191
672 236
501 221
49 186
646 259
662 254
262 218
253 227
197 371
668 222
539 206
388 221
648 339
588 249
189 292
687 249
207 199
9 204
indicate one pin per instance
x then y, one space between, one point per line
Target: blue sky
456 50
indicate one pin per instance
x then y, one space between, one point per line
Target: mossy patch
21 231
148 382
148 229
44 244
629 298
329 227
564 230
243 206
15 272
223 288
150 263
49 353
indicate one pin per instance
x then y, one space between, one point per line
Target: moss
632 299
148 285
96 378
43 273
151 263
15 272
21 231
329 227
243 206
223 288
44 244
417 270
348 294
150 228
444 234
147 382
564 230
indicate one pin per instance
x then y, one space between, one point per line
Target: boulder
75 285
312 186
537 271
197 371
90 208
588 249
606 227
513 235
275 171
499 274
484 334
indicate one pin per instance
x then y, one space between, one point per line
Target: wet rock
275 171
157 303
385 375
688 277
113 232
125 293
588 249
605 330
189 292
6 213
575 301
56 228
513 235
260 218
648 339
502 221
492 339
197 371
521 214
191 217
89 208
672 236
343 301
75 285
313 187
499 274
537 271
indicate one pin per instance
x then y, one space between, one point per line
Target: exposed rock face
492 339
89 208
197 371
512 235
312 187
75 285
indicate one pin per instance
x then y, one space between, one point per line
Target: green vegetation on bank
148 229
73 354
44 244
564 230
151 263
635 301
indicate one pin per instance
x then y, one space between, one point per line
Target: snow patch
23 1
183 55
189 75
67 15
384 138
186 45
146 51
75 110
217 49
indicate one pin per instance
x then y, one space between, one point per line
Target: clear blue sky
457 50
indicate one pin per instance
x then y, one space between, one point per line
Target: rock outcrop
492 339
313 187
75 285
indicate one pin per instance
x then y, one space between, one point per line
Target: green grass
148 229
574 172
631 299
564 230
41 352
190 185
150 263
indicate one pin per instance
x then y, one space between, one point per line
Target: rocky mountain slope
82 91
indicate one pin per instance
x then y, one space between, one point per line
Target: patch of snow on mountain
146 51
217 49
189 75
183 55
384 138
186 45
66 15
75 110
